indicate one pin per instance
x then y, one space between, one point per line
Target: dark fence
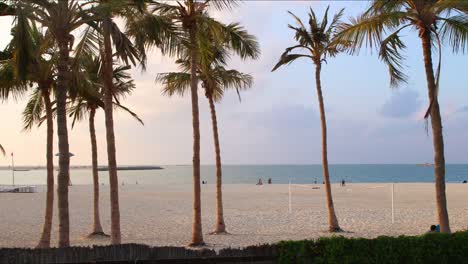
133 253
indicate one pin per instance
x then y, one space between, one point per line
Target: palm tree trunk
197 235
332 220
220 225
44 242
106 54
97 228
62 131
438 140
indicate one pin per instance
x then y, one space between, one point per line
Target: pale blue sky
277 121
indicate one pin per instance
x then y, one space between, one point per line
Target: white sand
161 215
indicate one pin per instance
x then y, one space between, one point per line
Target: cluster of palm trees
75 78
437 22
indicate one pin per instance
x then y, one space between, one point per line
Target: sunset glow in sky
277 121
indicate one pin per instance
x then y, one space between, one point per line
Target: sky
277 121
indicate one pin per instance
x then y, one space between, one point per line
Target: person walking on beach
259 182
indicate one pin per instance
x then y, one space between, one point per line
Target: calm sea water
232 174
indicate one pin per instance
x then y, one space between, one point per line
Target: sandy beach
161 215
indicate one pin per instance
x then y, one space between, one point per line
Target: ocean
249 174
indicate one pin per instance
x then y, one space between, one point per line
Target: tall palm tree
113 39
88 100
187 18
437 22
61 18
216 79
38 103
41 71
318 43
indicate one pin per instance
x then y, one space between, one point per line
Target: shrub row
429 248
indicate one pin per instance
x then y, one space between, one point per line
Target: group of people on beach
260 182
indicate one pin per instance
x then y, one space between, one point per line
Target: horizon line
238 164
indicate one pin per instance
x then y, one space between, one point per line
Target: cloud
401 104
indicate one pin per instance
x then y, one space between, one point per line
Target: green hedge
429 248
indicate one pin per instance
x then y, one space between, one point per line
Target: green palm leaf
34 110
289 58
454 31
390 52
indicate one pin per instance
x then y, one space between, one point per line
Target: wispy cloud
402 104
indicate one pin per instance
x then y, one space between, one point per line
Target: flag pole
393 202
289 202
13 168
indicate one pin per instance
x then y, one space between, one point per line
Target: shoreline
334 184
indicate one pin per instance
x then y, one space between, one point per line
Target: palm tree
215 80
111 39
60 19
437 22
38 103
41 72
187 18
319 43
89 99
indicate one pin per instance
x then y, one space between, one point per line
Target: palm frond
174 83
454 30
313 23
302 36
298 20
149 30
222 4
391 53
125 50
2 150
241 42
7 10
126 109
232 79
10 86
379 7
23 45
368 30
449 6
123 82
89 43
336 21
289 58
77 111
34 110
324 22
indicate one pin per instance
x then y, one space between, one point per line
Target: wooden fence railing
133 253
